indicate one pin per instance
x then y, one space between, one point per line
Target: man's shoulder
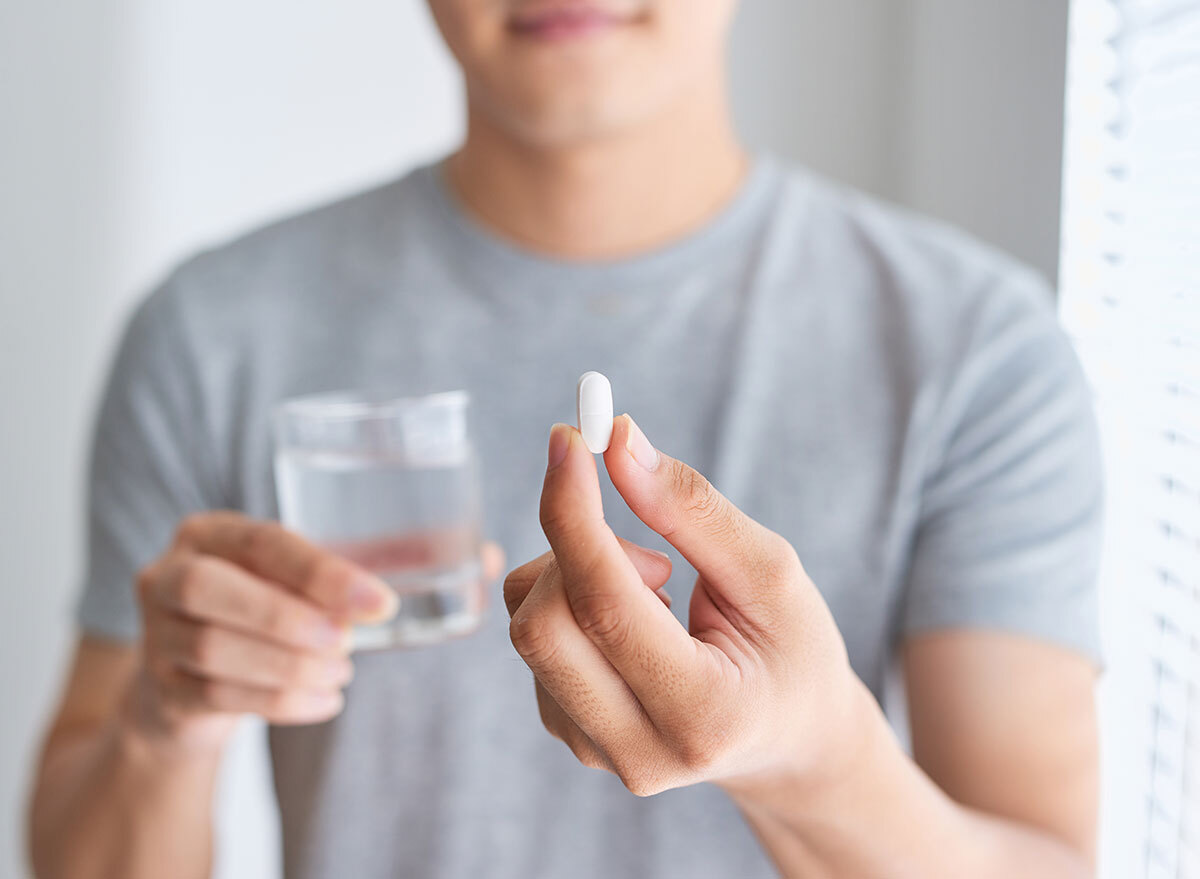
927 279
301 252
844 221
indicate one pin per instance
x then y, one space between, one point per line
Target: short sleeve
148 466
1010 527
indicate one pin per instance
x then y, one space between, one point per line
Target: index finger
631 626
267 549
652 566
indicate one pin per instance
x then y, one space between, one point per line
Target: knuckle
258 537
586 752
601 618
791 557
276 619
280 704
591 759
549 718
701 500
782 563
558 519
161 669
553 519
534 639
144 582
511 584
205 647
212 694
773 570
698 755
192 587
638 781
281 624
704 747
293 670
779 548
188 529
516 587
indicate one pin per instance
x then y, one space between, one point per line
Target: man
900 458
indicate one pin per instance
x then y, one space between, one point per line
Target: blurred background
135 132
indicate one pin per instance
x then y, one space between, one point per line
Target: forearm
883 817
106 805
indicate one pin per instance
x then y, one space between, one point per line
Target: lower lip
566 27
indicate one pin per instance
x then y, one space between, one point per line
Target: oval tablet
594 410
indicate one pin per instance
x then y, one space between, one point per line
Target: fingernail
370 595
639 447
560 439
662 593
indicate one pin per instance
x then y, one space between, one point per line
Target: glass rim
364 404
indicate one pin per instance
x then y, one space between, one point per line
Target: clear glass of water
391 483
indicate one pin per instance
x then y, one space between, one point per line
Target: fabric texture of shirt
894 398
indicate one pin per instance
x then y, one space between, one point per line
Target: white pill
594 409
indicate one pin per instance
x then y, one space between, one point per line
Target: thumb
736 555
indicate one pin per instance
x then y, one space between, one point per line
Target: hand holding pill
759 680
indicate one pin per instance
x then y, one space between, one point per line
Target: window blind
1130 282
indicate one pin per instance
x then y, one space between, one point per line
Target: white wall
980 136
953 108
130 133
817 81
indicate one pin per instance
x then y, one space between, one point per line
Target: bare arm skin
1007 726
106 803
757 695
1004 783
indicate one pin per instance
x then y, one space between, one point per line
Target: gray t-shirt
894 398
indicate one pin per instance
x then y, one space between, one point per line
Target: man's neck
609 198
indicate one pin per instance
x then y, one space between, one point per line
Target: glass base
434 606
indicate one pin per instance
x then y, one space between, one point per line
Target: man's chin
564 120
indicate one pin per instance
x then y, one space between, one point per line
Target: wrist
148 733
855 737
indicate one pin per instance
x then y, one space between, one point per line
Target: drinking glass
391 483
